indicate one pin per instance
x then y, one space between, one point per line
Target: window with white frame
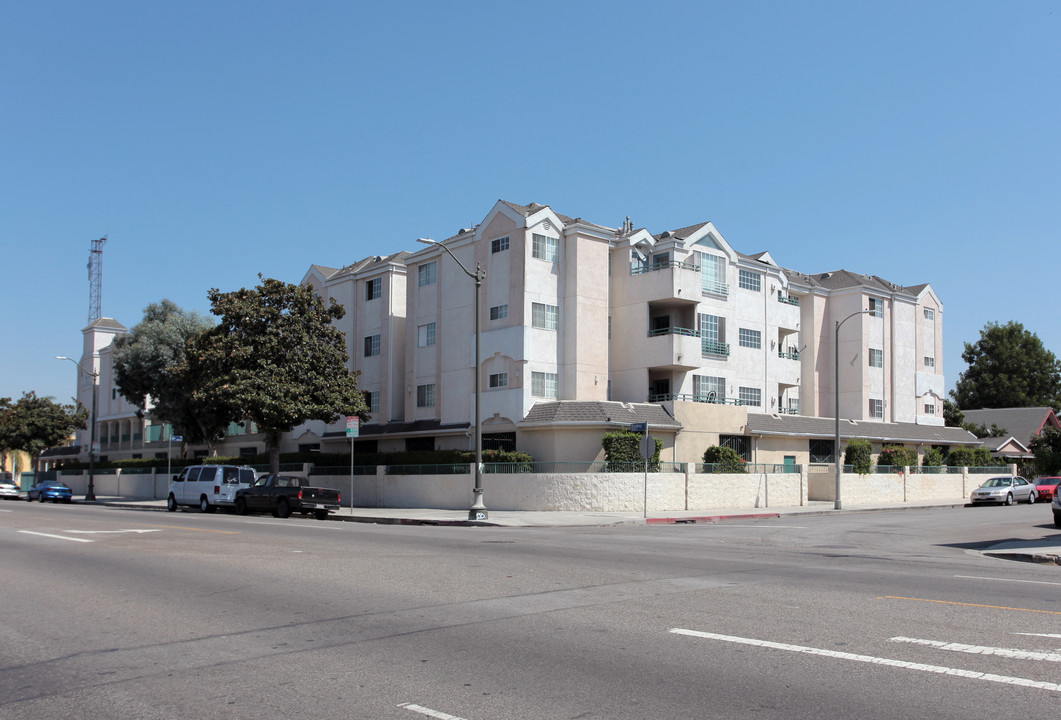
876 357
546 317
750 396
425 395
930 362
373 288
425 335
750 280
660 260
426 274
930 314
499 380
545 248
371 345
876 307
499 245
750 338
709 389
930 409
372 400
499 312
544 385
713 274
876 408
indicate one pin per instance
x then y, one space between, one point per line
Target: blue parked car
50 490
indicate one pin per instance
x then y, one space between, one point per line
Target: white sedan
8 490
1004 491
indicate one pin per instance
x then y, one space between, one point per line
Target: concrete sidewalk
1047 551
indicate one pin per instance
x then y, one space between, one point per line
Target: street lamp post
90 495
836 394
478 509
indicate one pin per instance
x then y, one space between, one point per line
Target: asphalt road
110 613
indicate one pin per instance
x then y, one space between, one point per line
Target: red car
1046 487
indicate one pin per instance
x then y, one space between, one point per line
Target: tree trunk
272 446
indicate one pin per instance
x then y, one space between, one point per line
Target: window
930 314
499 245
750 338
544 385
499 441
499 380
660 260
876 357
545 248
713 274
420 444
499 312
425 335
425 395
930 361
372 400
930 409
371 345
740 444
876 307
713 335
709 389
876 408
821 451
425 274
373 288
750 280
546 317
750 396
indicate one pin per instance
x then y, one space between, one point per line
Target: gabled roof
682 233
601 413
801 426
106 323
1021 423
528 210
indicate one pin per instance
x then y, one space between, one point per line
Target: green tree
622 452
1047 448
724 459
1008 367
859 455
34 424
150 369
952 414
276 359
6 437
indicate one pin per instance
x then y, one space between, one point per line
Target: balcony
675 348
674 280
787 299
714 348
788 355
710 398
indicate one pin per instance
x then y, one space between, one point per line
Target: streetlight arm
79 365
477 276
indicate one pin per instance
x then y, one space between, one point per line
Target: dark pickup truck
283 494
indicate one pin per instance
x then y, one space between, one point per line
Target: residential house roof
801 426
589 412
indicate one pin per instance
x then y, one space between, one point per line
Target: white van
208 486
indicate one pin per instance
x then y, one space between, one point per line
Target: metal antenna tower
95 279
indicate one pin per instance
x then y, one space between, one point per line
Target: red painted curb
708 519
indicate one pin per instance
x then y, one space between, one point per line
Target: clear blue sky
212 141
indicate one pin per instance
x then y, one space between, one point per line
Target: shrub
859 454
897 456
622 452
723 459
933 458
972 457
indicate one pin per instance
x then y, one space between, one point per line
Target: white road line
1032 582
110 532
1045 635
939 670
429 712
982 649
57 537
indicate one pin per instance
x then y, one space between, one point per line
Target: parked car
208 486
1046 487
1004 490
9 490
284 494
50 490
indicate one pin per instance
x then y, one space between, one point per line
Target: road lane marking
57 537
982 649
1033 582
921 667
1045 635
429 712
110 532
954 602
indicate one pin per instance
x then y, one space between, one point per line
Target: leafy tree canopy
1008 367
1047 448
149 368
34 424
275 358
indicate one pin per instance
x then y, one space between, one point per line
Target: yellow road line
952 602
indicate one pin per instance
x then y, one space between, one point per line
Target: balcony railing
709 398
673 331
642 269
787 299
714 347
793 410
713 287
788 355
